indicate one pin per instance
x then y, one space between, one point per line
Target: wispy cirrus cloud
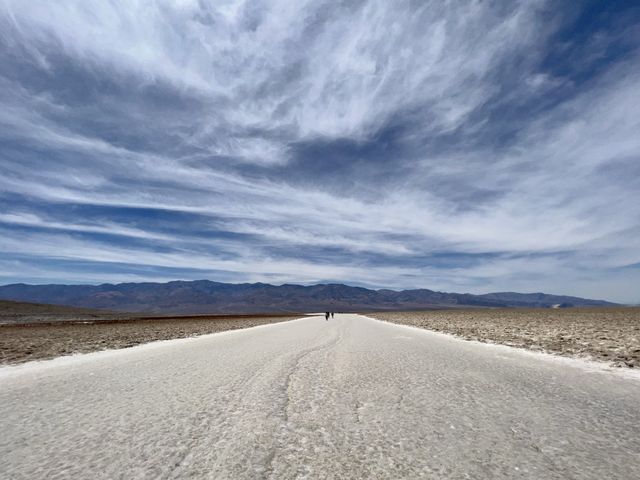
409 144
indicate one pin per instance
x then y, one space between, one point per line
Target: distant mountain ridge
205 296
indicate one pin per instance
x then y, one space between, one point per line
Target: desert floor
351 397
36 342
606 334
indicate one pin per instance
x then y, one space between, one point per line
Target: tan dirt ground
606 334
36 342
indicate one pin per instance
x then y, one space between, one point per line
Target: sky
458 146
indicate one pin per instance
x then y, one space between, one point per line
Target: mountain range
204 296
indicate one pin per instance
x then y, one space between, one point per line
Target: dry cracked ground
37 342
611 335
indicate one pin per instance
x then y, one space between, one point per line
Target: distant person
326 315
331 314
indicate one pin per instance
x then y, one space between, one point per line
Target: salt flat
345 398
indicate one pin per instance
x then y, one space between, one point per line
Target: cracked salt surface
37 366
347 398
583 363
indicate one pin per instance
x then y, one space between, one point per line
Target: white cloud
320 69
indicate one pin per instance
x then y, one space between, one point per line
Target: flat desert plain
22 343
606 334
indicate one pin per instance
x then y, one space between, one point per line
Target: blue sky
459 146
